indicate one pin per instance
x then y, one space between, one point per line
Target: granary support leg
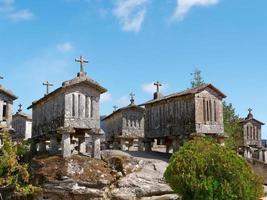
148 146
82 145
168 145
66 145
96 147
261 155
123 145
53 144
265 156
42 146
175 144
140 145
33 147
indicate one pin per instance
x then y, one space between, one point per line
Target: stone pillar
265 156
53 144
66 145
82 145
175 144
148 146
42 146
261 155
1 110
96 147
169 146
9 114
140 145
123 145
33 147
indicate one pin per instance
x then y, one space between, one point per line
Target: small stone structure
6 104
169 120
69 115
22 125
125 127
251 142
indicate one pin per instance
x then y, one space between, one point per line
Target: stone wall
260 168
9 105
170 118
19 124
82 107
209 112
133 124
48 115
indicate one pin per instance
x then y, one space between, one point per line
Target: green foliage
232 127
197 79
12 172
204 170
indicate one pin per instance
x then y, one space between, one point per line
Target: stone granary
171 119
22 125
70 115
251 143
125 127
6 104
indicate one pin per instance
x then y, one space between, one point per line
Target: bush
204 170
14 174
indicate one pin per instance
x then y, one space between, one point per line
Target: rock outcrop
119 175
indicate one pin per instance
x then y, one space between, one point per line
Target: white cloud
184 6
150 88
65 47
21 15
106 97
131 14
9 11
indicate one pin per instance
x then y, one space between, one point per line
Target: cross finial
115 108
158 85
47 84
250 110
20 108
82 61
1 77
132 95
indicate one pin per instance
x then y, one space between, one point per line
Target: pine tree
197 79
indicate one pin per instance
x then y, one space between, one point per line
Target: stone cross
82 61
47 84
1 77
250 110
132 95
158 84
20 108
115 108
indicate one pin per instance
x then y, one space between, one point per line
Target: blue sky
131 43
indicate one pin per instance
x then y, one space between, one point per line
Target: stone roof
185 93
8 93
81 78
22 114
130 106
251 118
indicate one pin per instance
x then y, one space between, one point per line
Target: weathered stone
42 146
198 110
124 126
22 124
53 144
75 105
96 147
66 145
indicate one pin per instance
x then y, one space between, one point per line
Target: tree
197 79
204 170
13 173
232 127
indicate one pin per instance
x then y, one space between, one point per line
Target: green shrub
14 174
204 170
